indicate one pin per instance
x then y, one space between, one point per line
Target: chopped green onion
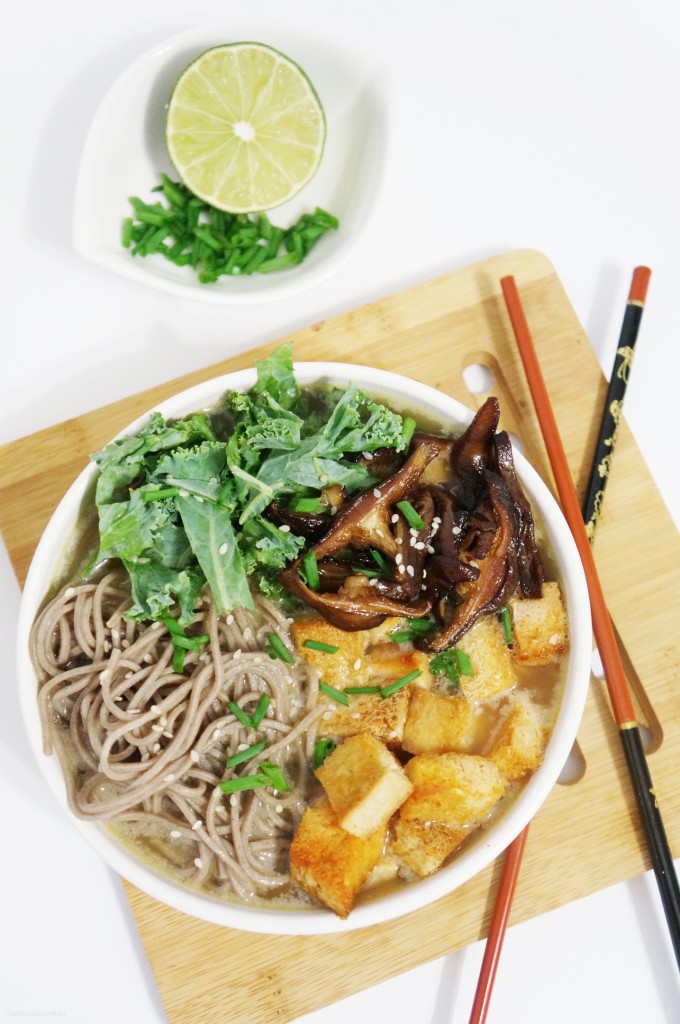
362 689
322 748
260 710
409 425
316 645
178 656
330 691
387 691
372 574
410 515
310 571
463 663
160 494
506 623
381 562
274 773
126 233
239 713
416 627
277 649
244 782
172 626
190 643
245 755
313 505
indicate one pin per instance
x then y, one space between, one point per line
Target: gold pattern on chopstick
623 370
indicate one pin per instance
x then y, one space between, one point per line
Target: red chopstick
624 714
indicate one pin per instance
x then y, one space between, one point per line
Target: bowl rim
487 845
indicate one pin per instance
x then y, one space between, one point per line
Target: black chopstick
618 381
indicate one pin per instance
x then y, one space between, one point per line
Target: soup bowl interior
482 848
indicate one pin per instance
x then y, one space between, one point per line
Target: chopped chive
381 562
160 494
322 748
506 623
330 691
310 571
178 656
244 782
245 755
190 643
260 710
239 713
362 689
275 775
408 426
126 233
387 691
410 515
447 664
372 574
172 626
463 663
316 645
307 505
421 625
401 636
277 649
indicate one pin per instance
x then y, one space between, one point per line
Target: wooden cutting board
586 836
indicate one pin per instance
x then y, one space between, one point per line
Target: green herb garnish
322 748
243 782
453 664
362 689
189 232
387 691
410 515
245 755
506 623
260 710
309 571
277 649
275 775
331 691
415 627
239 713
317 645
408 428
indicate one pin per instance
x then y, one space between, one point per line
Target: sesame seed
157 728
284 528
134 711
553 639
69 592
429 549
156 710
103 676
183 494
413 542
410 570
424 574
175 834
216 734
107 647
237 654
456 530
395 518
168 734
355 714
413 531
326 715
125 643
402 569
155 748
278 808
223 548
128 675
198 862
398 540
398 558
148 658
163 720
230 619
367 455
233 800
377 493
196 825
169 777
419 546
357 665
194 756
373 582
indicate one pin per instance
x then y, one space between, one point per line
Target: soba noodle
144 748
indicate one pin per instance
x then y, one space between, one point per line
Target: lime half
245 128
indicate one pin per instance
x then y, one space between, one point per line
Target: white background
545 125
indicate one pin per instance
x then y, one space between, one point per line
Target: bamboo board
586 835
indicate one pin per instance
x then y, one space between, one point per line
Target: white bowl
488 843
125 152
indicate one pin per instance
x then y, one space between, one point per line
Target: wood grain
586 835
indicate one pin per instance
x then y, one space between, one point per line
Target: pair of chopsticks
582 523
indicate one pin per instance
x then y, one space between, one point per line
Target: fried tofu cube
338 669
382 717
385 871
458 790
492 665
539 627
423 846
517 748
385 664
364 783
436 723
330 863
